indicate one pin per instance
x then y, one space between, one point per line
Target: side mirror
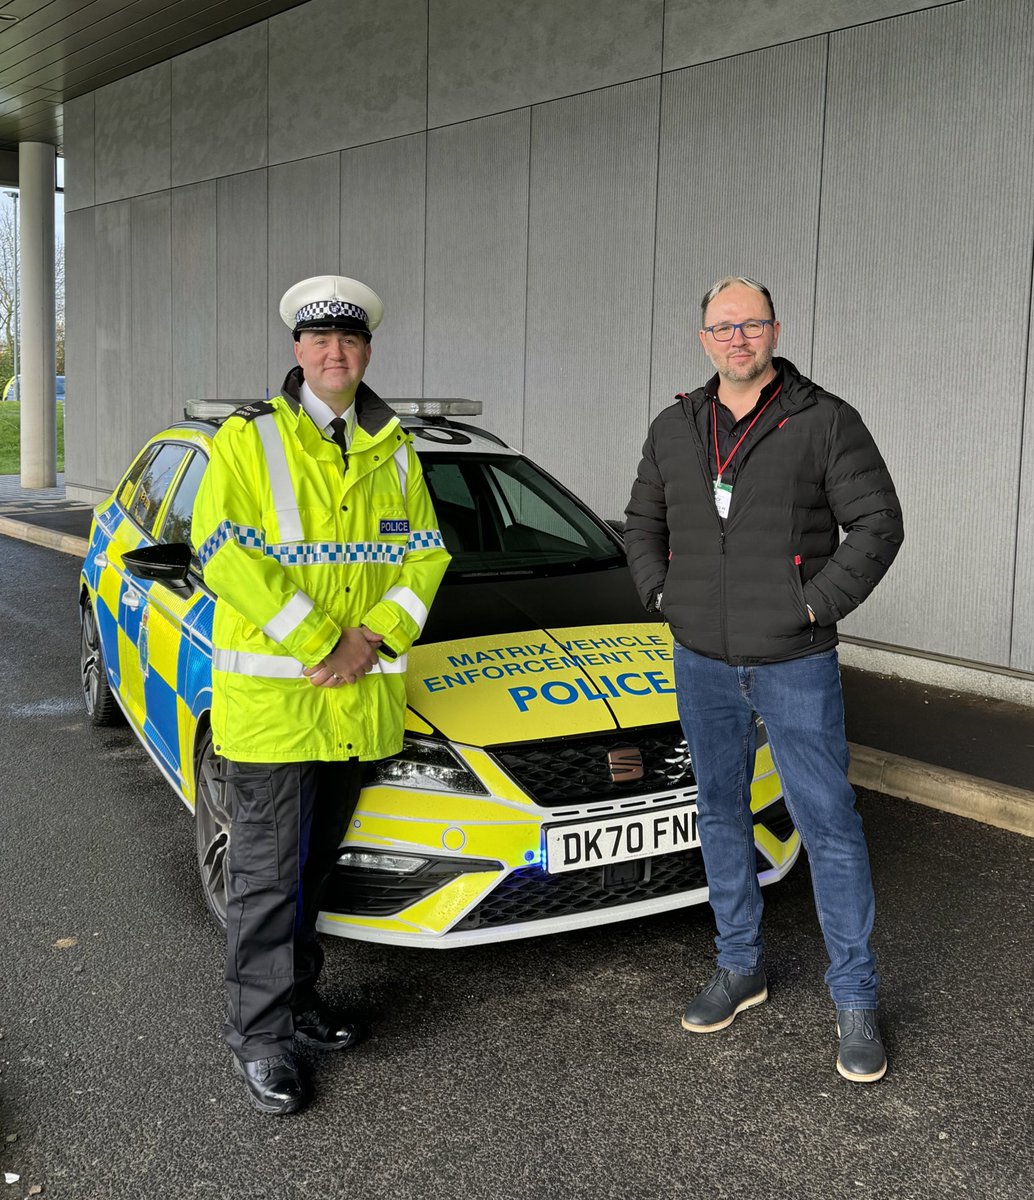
168 565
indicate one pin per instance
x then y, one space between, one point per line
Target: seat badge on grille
626 764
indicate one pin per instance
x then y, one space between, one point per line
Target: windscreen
501 514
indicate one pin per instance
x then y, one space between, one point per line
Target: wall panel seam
1025 393
656 226
423 282
527 277
818 209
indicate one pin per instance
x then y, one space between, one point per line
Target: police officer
319 539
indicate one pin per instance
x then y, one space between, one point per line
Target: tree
8 270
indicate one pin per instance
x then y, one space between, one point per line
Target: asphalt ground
551 1067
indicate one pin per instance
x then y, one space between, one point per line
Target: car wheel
212 827
101 706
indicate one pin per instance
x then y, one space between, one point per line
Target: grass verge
10 429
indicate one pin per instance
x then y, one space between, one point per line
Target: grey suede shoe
723 996
862 1058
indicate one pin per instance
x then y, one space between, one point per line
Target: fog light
376 860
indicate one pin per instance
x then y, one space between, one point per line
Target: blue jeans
802 705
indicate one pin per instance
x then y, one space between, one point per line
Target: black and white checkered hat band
319 310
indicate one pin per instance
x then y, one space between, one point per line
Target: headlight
427 766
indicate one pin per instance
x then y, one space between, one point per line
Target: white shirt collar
322 414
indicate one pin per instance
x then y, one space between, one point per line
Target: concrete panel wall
728 204
194 295
590 284
921 300
81 348
477 266
219 107
133 135
117 410
486 58
382 243
697 31
147 358
79 152
242 286
338 80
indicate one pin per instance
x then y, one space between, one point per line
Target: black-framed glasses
726 332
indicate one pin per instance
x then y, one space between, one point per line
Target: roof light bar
212 410
437 408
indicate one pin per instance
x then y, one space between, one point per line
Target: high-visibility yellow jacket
296 549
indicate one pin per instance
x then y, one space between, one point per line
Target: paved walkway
965 754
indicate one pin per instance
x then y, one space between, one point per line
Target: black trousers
287 821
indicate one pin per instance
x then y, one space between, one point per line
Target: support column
37 180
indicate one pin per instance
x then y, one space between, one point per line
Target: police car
544 784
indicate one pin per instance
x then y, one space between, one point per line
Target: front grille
573 769
530 894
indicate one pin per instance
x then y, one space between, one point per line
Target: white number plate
620 839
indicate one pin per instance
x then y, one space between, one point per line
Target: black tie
339 425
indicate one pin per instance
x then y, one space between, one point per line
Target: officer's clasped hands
354 656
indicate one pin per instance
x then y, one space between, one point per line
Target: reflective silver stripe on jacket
284 500
289 617
301 553
408 600
268 666
282 666
401 457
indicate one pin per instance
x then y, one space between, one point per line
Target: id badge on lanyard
723 491
722 497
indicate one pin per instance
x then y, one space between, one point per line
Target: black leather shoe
325 1029
722 997
274 1084
862 1058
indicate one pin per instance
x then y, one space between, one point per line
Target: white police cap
331 302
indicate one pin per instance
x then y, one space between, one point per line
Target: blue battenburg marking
194 665
425 539
161 724
107 627
200 618
109 519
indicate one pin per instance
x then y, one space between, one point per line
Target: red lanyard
714 425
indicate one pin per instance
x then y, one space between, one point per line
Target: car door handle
101 560
132 600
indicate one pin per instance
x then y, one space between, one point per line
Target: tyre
211 826
101 706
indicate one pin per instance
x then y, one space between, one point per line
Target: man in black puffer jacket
733 533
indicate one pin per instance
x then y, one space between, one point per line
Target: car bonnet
544 683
